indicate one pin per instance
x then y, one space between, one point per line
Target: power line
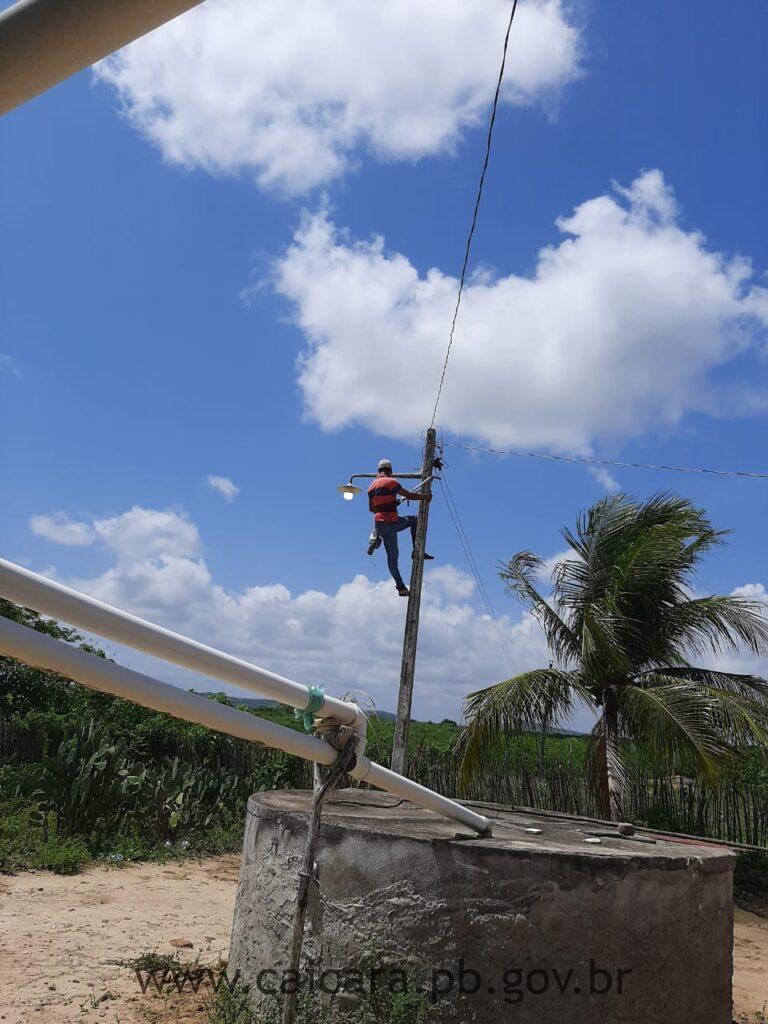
475 212
474 569
609 462
473 566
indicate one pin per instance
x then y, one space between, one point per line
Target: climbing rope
308 873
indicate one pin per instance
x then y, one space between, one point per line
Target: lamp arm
372 476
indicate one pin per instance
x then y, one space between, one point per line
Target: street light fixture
348 491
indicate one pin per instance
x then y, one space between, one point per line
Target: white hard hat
385 464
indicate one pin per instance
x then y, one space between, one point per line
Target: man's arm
414 495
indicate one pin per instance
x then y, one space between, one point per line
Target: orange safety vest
382 498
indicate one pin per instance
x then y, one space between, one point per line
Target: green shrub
27 841
62 855
20 835
232 1007
87 783
379 1007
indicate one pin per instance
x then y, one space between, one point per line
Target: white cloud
544 574
292 94
226 487
142 534
60 529
753 592
605 478
615 332
349 638
744 661
453 583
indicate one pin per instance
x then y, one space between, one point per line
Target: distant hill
386 716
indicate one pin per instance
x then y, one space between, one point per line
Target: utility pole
405 695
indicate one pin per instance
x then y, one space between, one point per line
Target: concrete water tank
524 926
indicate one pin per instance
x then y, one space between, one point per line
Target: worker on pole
383 499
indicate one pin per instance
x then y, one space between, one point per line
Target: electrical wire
609 462
462 278
473 566
475 211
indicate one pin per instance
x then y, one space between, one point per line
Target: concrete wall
530 914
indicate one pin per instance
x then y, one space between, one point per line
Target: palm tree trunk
613 766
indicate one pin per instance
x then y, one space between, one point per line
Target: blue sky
166 263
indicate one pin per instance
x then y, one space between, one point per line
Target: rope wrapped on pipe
315 701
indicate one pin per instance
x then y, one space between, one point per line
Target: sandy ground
750 967
58 937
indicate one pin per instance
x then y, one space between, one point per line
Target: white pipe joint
360 728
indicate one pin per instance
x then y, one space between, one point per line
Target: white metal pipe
38 649
382 778
42 42
33 591
42 651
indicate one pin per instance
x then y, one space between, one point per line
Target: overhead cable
609 462
475 212
473 567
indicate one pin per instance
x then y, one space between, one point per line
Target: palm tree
622 625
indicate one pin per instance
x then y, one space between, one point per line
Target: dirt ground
60 936
750 967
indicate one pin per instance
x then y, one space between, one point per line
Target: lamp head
348 491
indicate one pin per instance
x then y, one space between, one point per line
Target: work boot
374 542
403 591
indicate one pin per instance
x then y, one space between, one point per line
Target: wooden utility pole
405 696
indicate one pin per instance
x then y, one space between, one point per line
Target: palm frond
741 721
603 647
634 563
519 574
515 705
673 718
738 704
746 685
710 625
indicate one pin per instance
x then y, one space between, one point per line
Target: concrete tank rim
291 806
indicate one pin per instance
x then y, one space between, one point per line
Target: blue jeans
388 533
